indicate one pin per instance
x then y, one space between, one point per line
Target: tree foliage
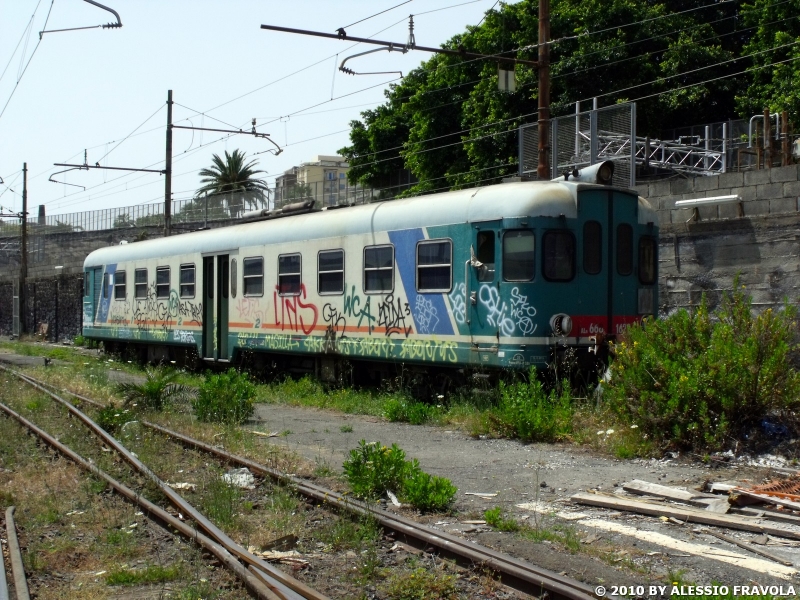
449 125
233 180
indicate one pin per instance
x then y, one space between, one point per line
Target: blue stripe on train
105 303
429 310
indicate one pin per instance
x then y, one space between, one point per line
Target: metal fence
584 139
221 207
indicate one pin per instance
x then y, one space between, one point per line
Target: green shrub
697 380
427 492
373 469
79 340
409 411
527 412
494 518
157 391
225 398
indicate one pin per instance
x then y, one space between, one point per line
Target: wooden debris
686 515
183 486
750 548
708 501
481 494
287 542
766 499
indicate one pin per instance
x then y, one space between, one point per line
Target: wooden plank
750 548
768 499
686 515
767 513
710 502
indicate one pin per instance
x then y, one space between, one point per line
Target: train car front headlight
561 324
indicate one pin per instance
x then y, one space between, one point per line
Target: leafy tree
233 180
775 69
450 126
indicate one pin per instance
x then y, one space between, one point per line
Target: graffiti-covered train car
491 277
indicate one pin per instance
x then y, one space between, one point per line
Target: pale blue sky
90 89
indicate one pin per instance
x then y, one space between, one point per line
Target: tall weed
526 411
225 398
700 380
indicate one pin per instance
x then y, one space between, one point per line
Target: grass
148 575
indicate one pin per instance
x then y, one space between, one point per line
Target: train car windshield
518 255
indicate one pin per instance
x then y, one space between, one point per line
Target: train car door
607 283
482 289
624 300
216 286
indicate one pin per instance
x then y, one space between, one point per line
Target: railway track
515 573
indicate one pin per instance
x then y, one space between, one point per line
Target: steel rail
3 582
516 573
290 588
15 556
153 511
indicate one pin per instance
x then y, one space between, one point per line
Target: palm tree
234 179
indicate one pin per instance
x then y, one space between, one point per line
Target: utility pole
543 169
23 260
168 170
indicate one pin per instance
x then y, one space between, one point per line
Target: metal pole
168 169
767 140
633 145
593 134
23 259
725 147
543 169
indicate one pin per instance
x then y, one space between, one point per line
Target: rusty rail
151 510
286 586
516 573
15 556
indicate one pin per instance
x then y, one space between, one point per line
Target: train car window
162 282
518 255
592 247
378 269
486 255
119 285
290 269
253 276
435 266
86 288
330 272
187 281
140 283
647 260
624 249
558 248
105 285
233 278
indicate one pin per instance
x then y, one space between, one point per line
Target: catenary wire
376 14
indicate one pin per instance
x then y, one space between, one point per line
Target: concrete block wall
760 248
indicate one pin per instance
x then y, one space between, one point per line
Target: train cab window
647 260
624 249
253 276
140 283
233 278
558 248
486 255
330 272
105 285
378 269
518 255
119 285
162 282
592 247
87 291
435 266
187 281
289 274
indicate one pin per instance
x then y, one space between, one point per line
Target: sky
105 90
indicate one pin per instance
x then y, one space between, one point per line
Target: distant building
323 179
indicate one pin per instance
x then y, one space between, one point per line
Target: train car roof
519 199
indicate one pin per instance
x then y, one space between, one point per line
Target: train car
495 277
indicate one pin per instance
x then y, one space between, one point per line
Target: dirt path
548 474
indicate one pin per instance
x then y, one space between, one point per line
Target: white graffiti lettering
497 310
458 300
425 315
522 312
